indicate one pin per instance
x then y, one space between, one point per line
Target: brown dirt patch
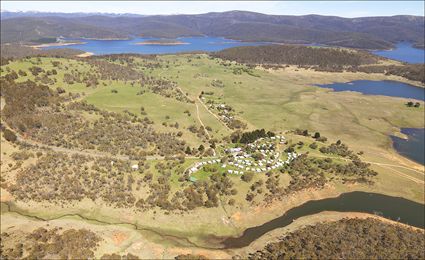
213 254
236 216
5 196
85 55
178 251
118 237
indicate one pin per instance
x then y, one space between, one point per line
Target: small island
165 42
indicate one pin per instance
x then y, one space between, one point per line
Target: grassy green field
288 99
278 100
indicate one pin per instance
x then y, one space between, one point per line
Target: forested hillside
297 55
15 51
369 32
30 29
317 58
348 239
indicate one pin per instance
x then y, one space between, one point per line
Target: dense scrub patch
39 112
190 257
61 179
409 71
348 239
52 243
58 178
115 256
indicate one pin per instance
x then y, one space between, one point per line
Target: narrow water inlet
394 208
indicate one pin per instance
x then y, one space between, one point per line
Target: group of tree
54 243
347 239
313 173
9 135
414 72
249 137
413 104
316 135
45 243
338 148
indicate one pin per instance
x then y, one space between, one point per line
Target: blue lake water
384 87
130 46
404 52
414 146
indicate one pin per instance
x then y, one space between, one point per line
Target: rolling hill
366 32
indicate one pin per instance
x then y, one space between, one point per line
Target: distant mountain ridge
9 14
365 32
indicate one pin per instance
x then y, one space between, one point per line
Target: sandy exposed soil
85 55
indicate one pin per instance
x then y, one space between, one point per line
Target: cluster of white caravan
243 161
234 150
271 159
224 113
199 165
235 172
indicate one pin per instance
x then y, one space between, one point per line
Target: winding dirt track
198 116
214 115
200 121
92 153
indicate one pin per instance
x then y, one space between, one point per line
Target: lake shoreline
149 45
55 44
161 43
404 52
85 54
322 217
357 201
387 88
410 145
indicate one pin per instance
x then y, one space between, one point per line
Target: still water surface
383 87
404 52
414 146
130 46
